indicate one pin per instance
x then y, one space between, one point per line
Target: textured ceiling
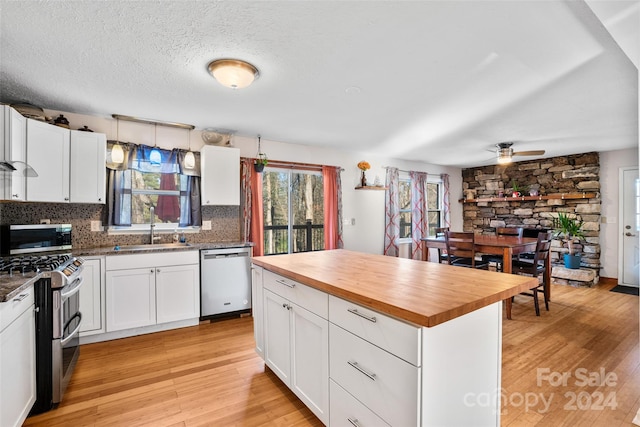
436 81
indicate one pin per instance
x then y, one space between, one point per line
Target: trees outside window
293 209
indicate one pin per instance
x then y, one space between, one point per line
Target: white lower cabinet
17 359
166 288
92 297
296 340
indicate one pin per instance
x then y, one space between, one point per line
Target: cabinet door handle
157 270
628 234
152 271
287 306
354 422
364 316
363 371
288 285
15 195
66 198
20 297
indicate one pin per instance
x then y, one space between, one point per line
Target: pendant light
189 158
117 154
155 158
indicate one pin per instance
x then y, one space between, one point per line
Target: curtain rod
293 165
402 170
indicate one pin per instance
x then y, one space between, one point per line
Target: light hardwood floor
209 375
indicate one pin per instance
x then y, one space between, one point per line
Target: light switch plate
206 225
96 226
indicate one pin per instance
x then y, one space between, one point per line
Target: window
434 206
293 209
404 200
159 183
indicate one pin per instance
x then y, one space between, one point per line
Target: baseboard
608 281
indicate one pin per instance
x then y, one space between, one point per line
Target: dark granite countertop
12 285
145 249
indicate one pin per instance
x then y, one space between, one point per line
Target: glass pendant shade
189 160
155 158
117 154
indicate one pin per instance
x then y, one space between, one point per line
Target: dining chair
536 269
443 257
461 250
503 231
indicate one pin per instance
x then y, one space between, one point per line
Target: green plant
261 159
568 229
516 188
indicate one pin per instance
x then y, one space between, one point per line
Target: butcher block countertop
424 293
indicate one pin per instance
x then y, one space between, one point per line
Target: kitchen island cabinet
410 343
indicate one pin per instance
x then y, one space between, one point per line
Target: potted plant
516 191
569 229
260 162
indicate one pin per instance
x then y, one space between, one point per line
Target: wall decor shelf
372 187
563 196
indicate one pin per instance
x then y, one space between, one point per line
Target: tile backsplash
225 223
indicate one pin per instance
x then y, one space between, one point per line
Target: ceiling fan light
189 160
504 159
233 73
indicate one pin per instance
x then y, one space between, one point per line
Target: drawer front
346 411
157 259
307 297
399 338
12 309
387 385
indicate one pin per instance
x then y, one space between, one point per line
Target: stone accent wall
568 174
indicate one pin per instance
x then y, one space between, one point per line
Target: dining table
507 246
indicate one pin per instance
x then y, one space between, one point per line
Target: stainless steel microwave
26 239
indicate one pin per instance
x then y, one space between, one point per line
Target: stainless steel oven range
58 317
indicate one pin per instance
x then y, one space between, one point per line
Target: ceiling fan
505 153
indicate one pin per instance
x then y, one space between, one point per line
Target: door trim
621 222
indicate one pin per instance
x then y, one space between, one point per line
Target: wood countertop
424 293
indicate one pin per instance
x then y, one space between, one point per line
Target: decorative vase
363 180
572 261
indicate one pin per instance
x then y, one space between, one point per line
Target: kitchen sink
150 247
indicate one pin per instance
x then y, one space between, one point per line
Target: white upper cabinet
88 174
220 180
48 150
70 164
13 130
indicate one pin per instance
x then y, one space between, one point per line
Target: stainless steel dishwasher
225 281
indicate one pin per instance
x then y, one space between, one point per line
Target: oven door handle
72 289
75 331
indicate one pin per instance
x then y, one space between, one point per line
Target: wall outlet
96 226
45 221
206 225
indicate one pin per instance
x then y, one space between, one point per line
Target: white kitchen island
368 340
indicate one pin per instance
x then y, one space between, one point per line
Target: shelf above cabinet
563 196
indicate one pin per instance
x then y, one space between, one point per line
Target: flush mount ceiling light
233 73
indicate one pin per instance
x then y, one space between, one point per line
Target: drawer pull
364 316
354 422
20 297
356 366
288 285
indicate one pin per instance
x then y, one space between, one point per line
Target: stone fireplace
568 184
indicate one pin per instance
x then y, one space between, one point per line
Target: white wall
366 207
610 164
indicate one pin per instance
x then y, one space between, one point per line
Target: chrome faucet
153 237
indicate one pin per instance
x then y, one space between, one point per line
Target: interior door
630 226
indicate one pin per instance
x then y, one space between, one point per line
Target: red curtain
256 234
332 225
168 207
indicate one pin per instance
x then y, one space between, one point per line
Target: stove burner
26 264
